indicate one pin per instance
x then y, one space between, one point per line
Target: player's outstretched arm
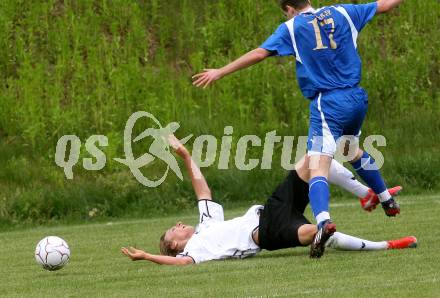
198 181
384 6
140 255
209 76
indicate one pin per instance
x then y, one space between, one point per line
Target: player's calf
367 169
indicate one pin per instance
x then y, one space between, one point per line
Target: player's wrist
183 152
222 72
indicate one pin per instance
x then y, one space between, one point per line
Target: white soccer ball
52 253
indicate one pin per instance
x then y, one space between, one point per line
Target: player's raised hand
207 77
177 146
134 254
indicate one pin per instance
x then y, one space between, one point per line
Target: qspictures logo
159 148
206 149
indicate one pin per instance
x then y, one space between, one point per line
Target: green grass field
97 269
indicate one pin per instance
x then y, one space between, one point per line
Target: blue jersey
324 43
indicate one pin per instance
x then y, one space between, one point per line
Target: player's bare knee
306 234
302 169
358 155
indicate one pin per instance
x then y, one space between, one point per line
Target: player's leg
319 193
342 241
341 176
306 232
365 166
338 175
282 217
324 130
321 146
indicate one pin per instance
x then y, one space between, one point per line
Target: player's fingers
195 83
207 83
199 80
204 77
201 83
198 75
129 254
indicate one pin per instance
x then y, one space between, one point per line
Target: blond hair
165 247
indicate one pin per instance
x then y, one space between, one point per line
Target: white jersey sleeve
196 254
210 211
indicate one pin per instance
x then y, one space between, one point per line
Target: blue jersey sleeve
279 43
361 14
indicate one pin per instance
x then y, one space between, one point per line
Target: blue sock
319 196
367 170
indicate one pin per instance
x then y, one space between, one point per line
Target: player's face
179 232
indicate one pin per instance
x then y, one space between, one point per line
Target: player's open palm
207 77
133 253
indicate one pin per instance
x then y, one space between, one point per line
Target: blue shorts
334 114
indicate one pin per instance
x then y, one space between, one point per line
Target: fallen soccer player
278 224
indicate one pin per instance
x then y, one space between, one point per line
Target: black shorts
283 214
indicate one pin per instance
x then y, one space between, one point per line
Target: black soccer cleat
391 207
325 230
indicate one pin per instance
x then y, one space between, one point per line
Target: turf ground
97 269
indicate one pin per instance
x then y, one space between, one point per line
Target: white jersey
215 238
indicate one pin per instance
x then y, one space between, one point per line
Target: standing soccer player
328 69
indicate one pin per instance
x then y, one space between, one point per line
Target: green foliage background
83 67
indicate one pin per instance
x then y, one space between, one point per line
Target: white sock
324 215
384 196
341 176
346 242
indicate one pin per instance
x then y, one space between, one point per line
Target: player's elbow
260 54
204 195
384 6
184 261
